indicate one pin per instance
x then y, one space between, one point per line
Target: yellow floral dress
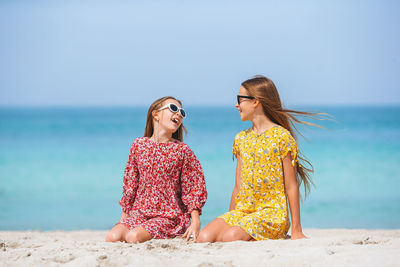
261 207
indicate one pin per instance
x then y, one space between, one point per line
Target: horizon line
199 105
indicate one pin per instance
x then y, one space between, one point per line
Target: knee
232 234
205 236
113 237
132 237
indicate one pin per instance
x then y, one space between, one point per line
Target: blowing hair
264 90
149 130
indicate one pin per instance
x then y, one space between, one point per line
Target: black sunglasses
243 96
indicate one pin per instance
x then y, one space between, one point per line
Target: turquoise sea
62 168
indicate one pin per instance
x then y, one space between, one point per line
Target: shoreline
332 247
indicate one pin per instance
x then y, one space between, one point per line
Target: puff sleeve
194 193
288 144
131 181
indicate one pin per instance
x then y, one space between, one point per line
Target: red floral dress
163 184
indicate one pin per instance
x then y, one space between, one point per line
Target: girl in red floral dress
164 188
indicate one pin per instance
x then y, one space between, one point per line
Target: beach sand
333 247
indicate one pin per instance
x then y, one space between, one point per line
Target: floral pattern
163 184
261 205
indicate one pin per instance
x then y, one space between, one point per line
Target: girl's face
246 107
168 120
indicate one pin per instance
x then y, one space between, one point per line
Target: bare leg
235 233
214 231
137 235
117 233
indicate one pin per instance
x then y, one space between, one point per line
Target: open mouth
176 121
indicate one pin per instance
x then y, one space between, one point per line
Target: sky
129 53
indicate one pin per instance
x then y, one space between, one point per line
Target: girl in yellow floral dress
268 172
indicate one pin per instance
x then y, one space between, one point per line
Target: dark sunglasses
174 108
243 96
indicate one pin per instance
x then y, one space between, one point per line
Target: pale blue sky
128 53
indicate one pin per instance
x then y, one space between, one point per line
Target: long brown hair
148 132
264 90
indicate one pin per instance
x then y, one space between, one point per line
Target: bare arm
292 191
194 228
237 184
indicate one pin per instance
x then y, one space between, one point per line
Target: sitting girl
163 187
268 172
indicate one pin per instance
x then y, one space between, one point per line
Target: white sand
334 247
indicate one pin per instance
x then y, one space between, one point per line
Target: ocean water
62 168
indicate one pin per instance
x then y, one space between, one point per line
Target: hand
297 235
192 231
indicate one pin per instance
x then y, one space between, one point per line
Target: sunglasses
174 108
243 96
